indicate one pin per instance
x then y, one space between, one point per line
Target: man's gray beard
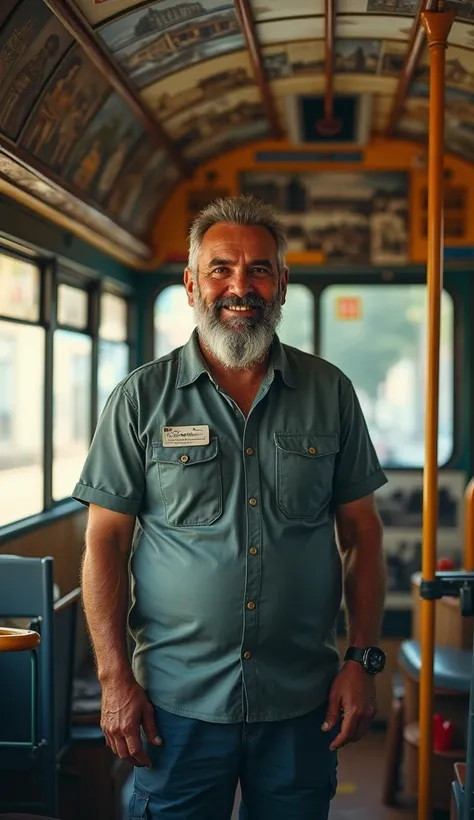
241 342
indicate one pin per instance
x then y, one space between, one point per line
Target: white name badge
189 436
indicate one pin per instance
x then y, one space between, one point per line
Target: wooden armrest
18 640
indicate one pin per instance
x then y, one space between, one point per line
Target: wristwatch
372 658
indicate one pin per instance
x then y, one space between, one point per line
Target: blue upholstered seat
452 667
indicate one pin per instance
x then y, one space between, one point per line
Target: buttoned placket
253 510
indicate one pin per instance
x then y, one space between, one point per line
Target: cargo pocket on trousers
138 806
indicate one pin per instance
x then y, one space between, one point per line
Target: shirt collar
192 364
279 361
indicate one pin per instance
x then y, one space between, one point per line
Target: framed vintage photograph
154 41
32 43
358 217
68 104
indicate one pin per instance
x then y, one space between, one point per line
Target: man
235 455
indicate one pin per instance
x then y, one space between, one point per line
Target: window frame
53 271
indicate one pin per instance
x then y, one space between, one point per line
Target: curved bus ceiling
106 104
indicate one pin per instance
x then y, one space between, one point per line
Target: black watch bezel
364 655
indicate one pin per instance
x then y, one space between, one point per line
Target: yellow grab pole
437 26
469 527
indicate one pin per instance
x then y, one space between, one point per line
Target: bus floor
360 773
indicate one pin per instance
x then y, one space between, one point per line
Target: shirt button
251 605
246 655
252 502
312 450
184 459
253 550
249 451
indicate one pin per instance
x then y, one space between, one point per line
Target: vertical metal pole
469 527
437 26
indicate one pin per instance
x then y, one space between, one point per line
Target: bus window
114 349
297 318
376 334
71 408
174 319
21 390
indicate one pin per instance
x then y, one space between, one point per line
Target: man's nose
241 284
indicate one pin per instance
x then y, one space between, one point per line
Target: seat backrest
65 625
26 587
26 591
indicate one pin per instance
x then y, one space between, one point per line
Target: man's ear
284 284
189 285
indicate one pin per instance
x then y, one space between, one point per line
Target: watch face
375 660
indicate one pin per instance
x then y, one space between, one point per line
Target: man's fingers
333 714
123 752
136 750
348 726
354 727
149 725
110 741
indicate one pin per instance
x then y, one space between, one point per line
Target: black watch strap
355 653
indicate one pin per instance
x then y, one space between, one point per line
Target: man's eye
261 271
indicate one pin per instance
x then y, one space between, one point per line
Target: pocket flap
310 445
186 456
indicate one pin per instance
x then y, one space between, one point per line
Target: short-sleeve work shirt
236 575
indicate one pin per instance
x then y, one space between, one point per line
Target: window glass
71 409
19 289
113 318
297 318
72 307
21 421
174 319
376 334
113 366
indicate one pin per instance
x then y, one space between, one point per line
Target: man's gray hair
240 210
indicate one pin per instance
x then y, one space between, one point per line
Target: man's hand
125 707
353 693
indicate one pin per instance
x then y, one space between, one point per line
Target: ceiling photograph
106 104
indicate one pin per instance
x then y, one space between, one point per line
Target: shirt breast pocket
304 472
190 482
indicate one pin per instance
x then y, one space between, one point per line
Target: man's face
238 293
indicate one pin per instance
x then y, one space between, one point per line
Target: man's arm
359 532
105 591
105 588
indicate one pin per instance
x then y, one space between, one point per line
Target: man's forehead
238 240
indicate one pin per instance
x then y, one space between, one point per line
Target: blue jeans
285 768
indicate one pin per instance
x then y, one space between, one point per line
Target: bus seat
452 670
452 667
